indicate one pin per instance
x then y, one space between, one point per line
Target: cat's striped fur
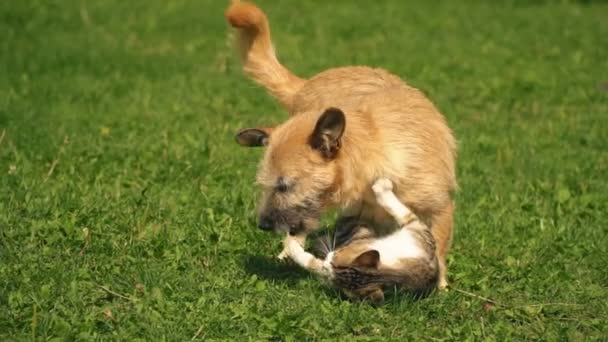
363 264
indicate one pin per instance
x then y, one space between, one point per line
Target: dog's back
414 136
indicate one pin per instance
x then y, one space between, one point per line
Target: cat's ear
368 259
376 296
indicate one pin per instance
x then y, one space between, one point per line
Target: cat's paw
293 248
284 255
382 185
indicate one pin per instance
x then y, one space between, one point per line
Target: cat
363 265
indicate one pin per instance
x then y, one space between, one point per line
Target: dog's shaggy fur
348 127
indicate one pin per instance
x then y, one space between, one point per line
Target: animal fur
348 126
363 264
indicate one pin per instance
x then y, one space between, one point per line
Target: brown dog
348 127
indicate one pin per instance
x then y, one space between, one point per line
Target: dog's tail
257 52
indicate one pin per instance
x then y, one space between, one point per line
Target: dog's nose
266 223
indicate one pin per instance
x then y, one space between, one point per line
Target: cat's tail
257 53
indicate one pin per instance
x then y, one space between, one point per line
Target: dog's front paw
382 185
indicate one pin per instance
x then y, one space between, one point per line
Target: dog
347 127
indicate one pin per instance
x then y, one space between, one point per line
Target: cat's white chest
394 247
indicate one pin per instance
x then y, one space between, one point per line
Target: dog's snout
266 223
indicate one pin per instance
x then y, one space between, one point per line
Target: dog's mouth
296 228
295 220
293 228
279 223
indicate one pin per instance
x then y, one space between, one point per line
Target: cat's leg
383 189
289 239
308 261
297 234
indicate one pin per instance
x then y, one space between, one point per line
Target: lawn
127 211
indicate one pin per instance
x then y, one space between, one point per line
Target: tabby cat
363 265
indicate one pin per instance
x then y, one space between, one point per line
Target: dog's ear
253 137
327 135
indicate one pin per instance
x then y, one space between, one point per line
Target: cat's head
353 265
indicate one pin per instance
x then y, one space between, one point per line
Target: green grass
122 190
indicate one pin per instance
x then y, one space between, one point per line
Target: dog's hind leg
441 228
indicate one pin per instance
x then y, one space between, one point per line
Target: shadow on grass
266 267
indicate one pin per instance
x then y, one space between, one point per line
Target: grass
127 210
